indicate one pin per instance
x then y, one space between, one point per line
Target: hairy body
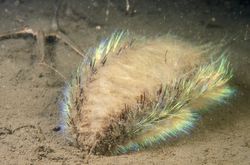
123 104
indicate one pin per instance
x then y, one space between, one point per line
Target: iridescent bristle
176 112
65 108
173 112
107 46
93 58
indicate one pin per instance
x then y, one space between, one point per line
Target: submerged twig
55 70
8 131
127 6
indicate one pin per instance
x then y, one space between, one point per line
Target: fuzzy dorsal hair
130 93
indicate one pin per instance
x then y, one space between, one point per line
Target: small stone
98 27
56 129
40 75
17 3
95 4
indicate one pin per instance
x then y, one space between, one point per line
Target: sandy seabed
29 93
